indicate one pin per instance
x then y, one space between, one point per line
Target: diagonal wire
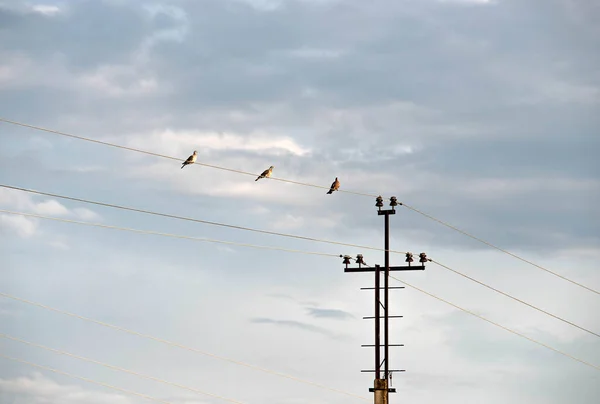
155 233
497 324
230 226
171 157
257 246
58 351
60 372
177 345
491 322
498 248
514 298
299 183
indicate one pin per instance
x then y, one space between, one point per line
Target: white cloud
50 207
180 143
23 226
119 81
17 200
86 214
45 9
39 389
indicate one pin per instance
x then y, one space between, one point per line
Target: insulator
409 257
359 259
423 257
379 203
393 201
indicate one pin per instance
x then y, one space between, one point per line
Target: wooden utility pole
381 387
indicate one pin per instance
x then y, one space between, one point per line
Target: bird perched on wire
265 174
335 186
190 160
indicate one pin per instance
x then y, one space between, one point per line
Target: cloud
23 226
46 10
86 214
175 143
14 199
329 313
27 227
295 324
38 389
484 116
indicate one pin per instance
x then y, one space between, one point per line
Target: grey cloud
464 122
97 33
295 324
329 313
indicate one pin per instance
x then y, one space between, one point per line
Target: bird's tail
183 165
330 191
258 178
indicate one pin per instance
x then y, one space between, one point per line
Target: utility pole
381 386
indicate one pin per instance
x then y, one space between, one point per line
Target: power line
496 324
177 345
498 248
133 393
514 298
207 240
58 351
173 158
304 184
148 212
249 245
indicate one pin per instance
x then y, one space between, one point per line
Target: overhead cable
497 324
299 183
177 345
257 246
85 379
499 249
156 379
155 233
514 298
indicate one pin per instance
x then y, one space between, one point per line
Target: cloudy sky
483 113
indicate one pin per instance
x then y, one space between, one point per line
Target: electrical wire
177 345
498 248
60 372
304 184
514 298
155 233
56 132
65 353
496 324
249 245
148 212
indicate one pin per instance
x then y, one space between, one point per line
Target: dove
265 174
335 186
190 160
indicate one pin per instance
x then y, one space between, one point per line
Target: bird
265 174
335 186
190 160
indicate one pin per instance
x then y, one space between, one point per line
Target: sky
483 114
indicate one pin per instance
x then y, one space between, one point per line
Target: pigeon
190 160
265 174
335 186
